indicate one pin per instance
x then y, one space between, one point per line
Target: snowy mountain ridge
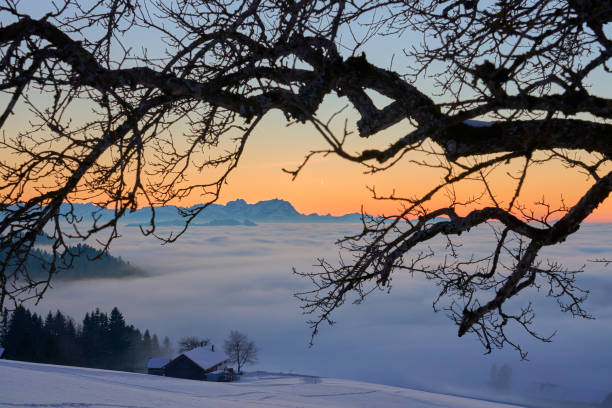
237 212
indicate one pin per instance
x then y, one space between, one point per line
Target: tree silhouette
167 350
240 350
509 89
100 342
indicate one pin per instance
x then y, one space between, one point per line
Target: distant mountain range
237 212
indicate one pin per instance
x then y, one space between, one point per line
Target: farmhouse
155 366
197 363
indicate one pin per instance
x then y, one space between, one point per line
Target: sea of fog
217 279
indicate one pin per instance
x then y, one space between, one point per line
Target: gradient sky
333 185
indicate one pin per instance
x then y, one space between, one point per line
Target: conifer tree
155 348
147 343
167 350
4 324
118 338
101 341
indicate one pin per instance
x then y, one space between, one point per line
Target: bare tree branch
512 86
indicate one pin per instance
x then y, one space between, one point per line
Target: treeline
83 262
80 261
101 341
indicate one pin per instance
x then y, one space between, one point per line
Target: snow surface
157 362
205 357
41 385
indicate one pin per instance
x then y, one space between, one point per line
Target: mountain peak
238 203
237 211
275 206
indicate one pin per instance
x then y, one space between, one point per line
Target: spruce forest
100 341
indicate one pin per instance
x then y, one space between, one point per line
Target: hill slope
40 385
83 263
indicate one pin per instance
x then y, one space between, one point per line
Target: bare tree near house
512 91
190 342
240 350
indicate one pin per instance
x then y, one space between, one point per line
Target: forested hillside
100 341
81 261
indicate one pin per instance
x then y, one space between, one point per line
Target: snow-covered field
41 385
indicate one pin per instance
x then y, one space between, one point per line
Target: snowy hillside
40 385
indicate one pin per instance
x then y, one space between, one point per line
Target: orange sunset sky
334 185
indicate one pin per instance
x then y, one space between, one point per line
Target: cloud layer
216 279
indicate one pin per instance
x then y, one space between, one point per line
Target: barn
155 366
197 363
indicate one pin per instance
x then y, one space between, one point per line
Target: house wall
155 371
218 367
182 367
